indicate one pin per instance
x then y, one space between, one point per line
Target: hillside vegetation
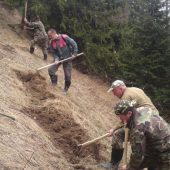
48 125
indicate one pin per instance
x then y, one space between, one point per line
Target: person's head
52 34
35 17
118 88
124 109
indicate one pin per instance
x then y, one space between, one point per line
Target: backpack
54 44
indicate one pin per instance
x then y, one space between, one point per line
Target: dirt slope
48 125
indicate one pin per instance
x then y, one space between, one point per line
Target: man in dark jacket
149 136
40 36
62 47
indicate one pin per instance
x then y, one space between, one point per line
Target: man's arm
28 28
31 24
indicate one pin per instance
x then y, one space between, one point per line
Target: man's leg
44 47
67 66
117 149
51 72
33 42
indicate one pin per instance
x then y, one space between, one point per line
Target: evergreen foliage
147 60
121 39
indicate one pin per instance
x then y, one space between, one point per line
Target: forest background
121 39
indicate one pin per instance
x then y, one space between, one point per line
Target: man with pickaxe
62 47
149 136
40 36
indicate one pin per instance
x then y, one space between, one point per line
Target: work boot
45 56
31 50
109 166
54 79
67 85
116 157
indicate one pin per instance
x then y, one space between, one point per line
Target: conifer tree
147 56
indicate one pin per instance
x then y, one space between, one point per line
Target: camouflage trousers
67 67
42 42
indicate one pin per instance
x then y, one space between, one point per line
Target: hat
35 17
115 84
123 105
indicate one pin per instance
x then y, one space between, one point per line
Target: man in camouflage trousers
40 36
149 136
120 90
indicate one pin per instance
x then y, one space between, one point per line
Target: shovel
80 146
58 62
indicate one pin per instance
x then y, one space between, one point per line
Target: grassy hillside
48 125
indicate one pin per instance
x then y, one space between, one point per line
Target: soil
48 125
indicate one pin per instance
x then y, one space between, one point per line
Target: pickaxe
58 62
80 146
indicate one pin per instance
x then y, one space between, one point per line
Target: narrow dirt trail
48 124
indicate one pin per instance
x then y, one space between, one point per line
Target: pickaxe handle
59 61
94 140
7 116
26 2
125 147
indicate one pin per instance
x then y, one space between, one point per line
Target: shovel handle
26 1
59 61
94 140
125 147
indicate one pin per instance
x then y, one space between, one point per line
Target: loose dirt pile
48 124
64 132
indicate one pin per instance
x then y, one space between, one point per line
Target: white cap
115 84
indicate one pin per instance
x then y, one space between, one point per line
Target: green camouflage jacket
149 135
38 28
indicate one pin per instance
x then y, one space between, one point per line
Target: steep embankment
48 125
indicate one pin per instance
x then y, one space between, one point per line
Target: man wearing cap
149 136
142 100
131 93
40 36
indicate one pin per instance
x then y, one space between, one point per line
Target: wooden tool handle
26 2
94 140
125 147
59 62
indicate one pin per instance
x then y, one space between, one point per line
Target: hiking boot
67 85
116 157
65 91
54 79
109 166
45 56
31 50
